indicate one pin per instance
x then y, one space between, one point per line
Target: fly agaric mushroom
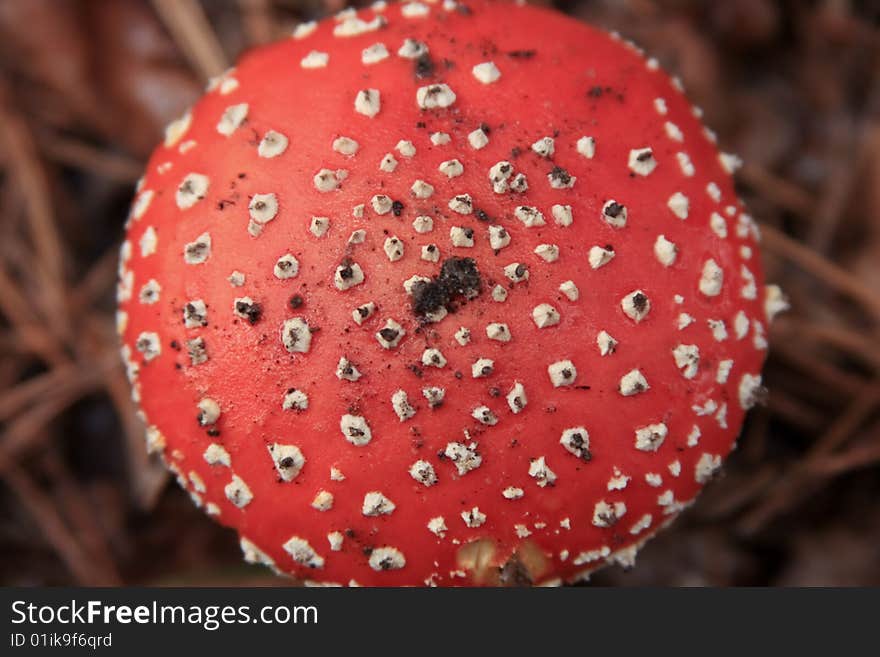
442 294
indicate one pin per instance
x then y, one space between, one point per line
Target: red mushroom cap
442 294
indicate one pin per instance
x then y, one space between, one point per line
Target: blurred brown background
86 87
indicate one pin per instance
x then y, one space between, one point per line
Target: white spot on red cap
191 190
486 72
288 460
541 472
368 102
714 191
547 252
327 180
195 313
238 492
175 130
562 373
730 162
775 302
516 398
529 216
465 457
374 54
665 251
586 146
545 315
706 467
423 224
145 198
718 329
352 26
679 204
216 454
562 215
636 305
302 553
393 248
232 118
570 290
412 49
600 256
335 539
461 236
499 237
723 371
484 415
149 345
414 10
451 168
435 96
402 408
482 367
473 518
376 504
478 139
430 253
462 204
749 290
718 225
423 472
641 161
687 359
315 59
684 162
641 524
345 146
319 226
421 190
712 279
576 440
287 266
614 213
347 275
498 331
296 335
386 558
434 395
198 251
750 390
607 515
545 146
346 370
303 30
390 335
650 437
355 429
633 383
295 400
606 343
150 292
437 526
363 313
272 144
406 148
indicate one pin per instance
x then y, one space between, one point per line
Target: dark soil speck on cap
459 277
